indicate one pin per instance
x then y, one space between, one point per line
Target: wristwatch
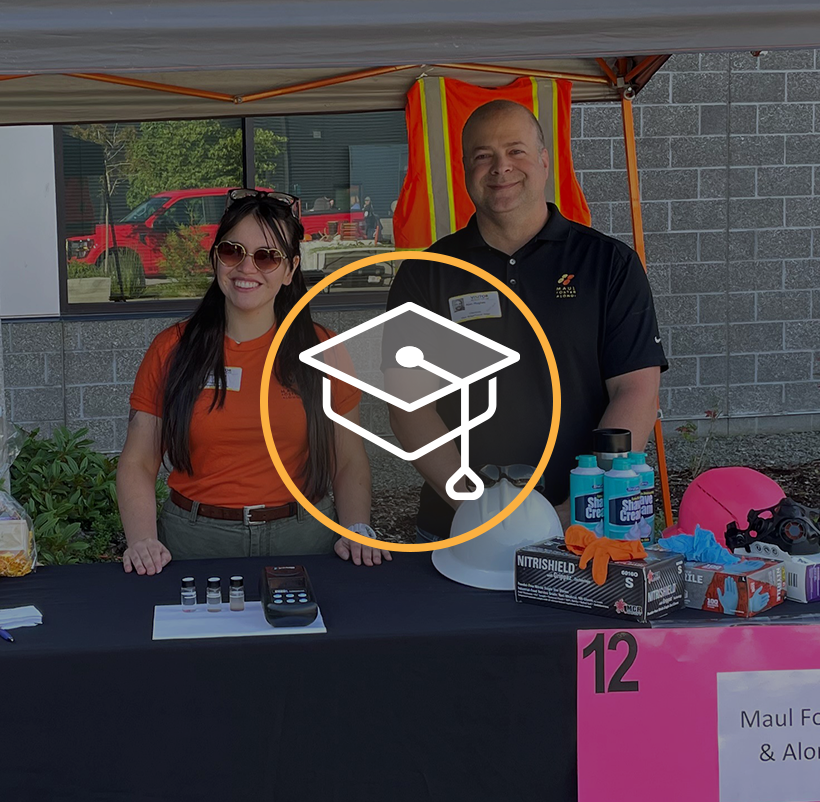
363 529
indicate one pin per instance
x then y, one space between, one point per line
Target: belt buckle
246 514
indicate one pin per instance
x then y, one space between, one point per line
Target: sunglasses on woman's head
291 202
232 254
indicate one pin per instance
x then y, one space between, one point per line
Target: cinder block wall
729 152
729 148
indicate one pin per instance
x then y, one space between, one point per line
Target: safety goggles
232 254
516 475
289 201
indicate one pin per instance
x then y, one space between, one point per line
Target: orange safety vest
433 201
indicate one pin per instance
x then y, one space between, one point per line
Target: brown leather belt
254 514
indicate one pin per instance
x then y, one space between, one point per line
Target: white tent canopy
239 48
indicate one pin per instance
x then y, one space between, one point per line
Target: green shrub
185 260
69 490
78 269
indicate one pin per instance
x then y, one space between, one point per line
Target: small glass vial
214 594
237 593
188 594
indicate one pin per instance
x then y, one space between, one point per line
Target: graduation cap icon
425 357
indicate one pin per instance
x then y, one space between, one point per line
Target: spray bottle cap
587 461
611 441
621 464
637 457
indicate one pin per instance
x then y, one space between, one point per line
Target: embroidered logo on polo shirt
565 288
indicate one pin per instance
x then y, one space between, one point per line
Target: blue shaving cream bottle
646 475
586 494
622 501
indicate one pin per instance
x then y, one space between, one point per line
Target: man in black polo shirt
589 293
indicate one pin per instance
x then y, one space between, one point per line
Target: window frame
324 301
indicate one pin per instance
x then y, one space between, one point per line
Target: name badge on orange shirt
234 377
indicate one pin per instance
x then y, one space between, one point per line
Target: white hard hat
488 561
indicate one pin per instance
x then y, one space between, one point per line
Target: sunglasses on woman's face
232 254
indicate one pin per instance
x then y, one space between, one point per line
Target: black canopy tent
94 60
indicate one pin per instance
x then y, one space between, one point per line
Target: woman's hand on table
355 551
147 556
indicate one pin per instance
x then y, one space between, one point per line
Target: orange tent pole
607 70
337 79
12 77
153 85
569 76
637 236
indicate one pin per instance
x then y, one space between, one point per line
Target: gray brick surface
784 367
74 402
652 152
698 340
754 151
671 248
749 338
755 399
783 181
698 215
803 149
697 278
712 246
712 183
89 367
692 402
714 62
54 369
802 274
801 212
101 432
667 185
785 118
683 62
694 87
606 185
655 217
34 337
592 154
659 279
25 370
41 404
713 119
714 309
803 85
759 87
752 213
787 60
784 305
658 90
602 121
670 120
802 396
802 335
783 244
742 181
683 372
743 61
704 151
154 325
713 369
676 310
107 335
601 216
126 364
105 402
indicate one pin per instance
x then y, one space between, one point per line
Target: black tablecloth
422 689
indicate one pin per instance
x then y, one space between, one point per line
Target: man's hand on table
352 550
146 556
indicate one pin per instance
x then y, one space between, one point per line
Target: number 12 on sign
617 683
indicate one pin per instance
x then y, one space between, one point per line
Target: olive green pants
189 536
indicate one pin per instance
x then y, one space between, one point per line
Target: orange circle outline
268 370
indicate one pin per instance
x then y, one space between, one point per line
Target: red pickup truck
143 230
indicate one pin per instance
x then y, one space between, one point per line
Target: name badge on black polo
476 306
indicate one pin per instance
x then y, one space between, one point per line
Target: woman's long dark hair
200 354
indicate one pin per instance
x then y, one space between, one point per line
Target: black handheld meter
287 596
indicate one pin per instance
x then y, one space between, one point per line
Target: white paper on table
15 617
172 623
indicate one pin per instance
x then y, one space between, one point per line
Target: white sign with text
769 736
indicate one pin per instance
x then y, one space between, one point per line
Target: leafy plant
185 260
79 269
688 431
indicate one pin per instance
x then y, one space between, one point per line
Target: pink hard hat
722 495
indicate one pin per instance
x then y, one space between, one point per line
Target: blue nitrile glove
759 601
728 597
708 550
679 544
743 567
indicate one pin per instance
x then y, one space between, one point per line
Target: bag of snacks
18 552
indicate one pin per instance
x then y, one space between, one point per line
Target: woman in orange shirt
196 400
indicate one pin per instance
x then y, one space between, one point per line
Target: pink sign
714 714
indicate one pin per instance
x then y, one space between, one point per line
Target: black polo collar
556 228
